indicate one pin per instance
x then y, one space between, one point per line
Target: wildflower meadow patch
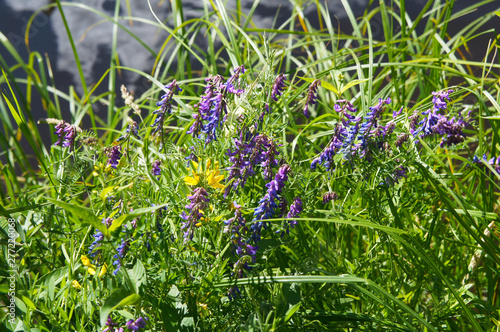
302 179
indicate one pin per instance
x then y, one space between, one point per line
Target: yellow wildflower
101 168
86 262
76 284
195 179
211 177
104 269
92 267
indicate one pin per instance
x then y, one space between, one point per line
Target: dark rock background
93 34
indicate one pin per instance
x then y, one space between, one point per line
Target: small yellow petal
219 178
91 271
210 177
86 261
191 181
76 284
104 269
195 165
217 186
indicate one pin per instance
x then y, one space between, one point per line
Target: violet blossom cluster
250 150
494 162
121 251
238 157
133 129
435 123
198 203
212 109
136 325
165 106
267 204
312 95
360 137
340 134
233 293
295 211
236 226
155 168
371 131
110 326
399 172
278 86
329 196
114 154
98 237
66 134
367 132
132 325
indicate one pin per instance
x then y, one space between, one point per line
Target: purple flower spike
212 109
494 162
372 117
98 237
114 156
438 99
234 293
250 150
295 210
66 134
165 105
237 227
270 160
268 203
435 123
198 203
311 97
139 323
279 85
427 124
155 169
246 252
336 143
398 113
131 128
344 135
121 251
399 172
401 139
330 196
110 325
134 129
367 131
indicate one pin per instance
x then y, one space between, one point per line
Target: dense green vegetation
358 191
